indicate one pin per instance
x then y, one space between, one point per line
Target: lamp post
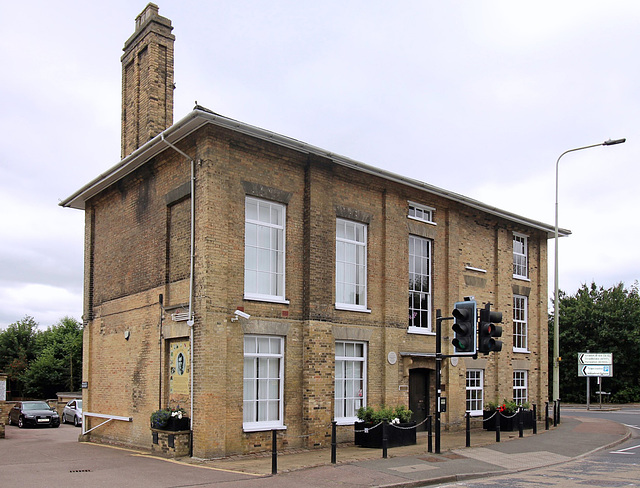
556 303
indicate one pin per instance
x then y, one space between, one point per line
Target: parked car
33 413
72 412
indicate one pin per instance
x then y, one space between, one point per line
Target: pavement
411 466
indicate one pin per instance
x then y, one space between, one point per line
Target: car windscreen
35 406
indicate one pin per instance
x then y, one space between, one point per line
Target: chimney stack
147 80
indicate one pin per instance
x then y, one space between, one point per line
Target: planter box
395 436
508 424
174 424
170 444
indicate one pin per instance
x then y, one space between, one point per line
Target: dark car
33 413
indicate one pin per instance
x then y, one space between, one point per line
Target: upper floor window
264 252
421 212
419 284
351 265
350 380
519 323
520 256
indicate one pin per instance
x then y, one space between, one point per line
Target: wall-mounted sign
85 384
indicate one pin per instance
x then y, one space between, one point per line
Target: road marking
632 426
623 451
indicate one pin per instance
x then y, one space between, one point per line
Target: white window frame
520 323
351 265
474 380
417 265
265 251
520 386
421 212
260 352
346 380
520 256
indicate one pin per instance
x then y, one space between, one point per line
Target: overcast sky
477 97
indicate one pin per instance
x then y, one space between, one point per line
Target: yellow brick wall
136 249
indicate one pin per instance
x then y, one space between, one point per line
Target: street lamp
556 303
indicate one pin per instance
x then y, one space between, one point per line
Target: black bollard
334 442
555 413
535 419
468 429
546 415
498 415
429 435
274 452
558 410
520 424
384 439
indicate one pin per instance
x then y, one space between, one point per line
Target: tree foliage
40 363
600 321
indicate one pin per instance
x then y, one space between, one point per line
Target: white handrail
104 416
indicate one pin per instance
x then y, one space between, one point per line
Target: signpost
595 364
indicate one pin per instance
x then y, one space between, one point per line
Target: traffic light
464 328
488 330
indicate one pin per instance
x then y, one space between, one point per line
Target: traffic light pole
439 357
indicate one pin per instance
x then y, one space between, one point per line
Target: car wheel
20 422
55 426
76 422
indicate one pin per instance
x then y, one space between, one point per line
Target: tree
600 321
41 363
17 349
58 366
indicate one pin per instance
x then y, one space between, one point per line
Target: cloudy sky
477 97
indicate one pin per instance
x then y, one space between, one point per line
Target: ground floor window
350 380
520 386
475 396
262 388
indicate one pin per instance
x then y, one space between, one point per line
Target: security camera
242 314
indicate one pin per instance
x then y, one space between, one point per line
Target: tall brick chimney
147 80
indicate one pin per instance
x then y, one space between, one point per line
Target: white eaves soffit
201 116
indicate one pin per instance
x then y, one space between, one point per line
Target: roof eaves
201 116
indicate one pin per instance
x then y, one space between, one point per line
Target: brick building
338 267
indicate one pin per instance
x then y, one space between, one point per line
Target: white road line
632 426
623 451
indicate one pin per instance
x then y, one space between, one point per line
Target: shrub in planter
170 419
159 418
400 431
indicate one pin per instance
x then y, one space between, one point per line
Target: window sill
266 299
352 308
346 421
475 413
420 331
523 351
522 278
263 427
430 222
